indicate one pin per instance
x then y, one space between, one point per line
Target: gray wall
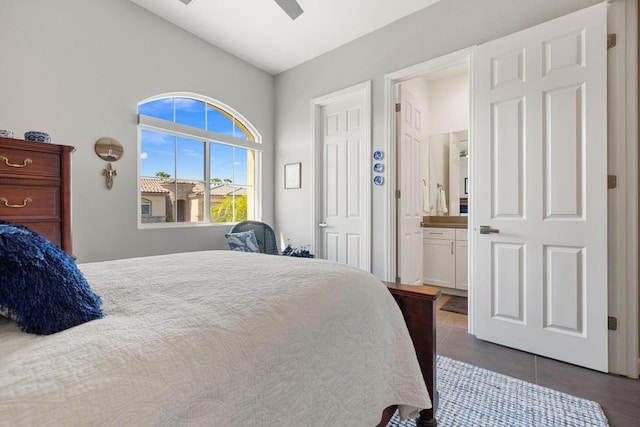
77 69
445 27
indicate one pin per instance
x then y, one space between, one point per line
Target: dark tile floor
618 396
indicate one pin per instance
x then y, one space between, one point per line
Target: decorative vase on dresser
35 188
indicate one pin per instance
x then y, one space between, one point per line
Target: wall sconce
109 150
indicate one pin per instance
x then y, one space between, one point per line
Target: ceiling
261 33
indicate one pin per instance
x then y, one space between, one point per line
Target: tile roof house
158 196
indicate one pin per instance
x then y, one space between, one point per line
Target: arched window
145 207
190 147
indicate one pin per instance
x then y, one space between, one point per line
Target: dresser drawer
438 233
26 201
23 162
50 230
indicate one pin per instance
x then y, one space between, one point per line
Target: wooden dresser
35 188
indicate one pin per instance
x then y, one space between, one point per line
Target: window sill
172 225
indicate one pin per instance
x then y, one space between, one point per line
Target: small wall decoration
378 180
110 150
378 168
378 155
292 176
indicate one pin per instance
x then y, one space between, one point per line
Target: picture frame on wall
292 176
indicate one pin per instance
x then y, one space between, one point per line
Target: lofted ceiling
261 33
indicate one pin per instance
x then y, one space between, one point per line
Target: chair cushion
244 241
41 287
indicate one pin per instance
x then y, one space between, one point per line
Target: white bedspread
217 338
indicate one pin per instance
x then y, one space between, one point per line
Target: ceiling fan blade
291 7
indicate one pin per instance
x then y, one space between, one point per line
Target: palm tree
227 181
216 180
163 175
224 212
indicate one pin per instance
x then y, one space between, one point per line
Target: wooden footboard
418 306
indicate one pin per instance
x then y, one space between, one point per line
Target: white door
540 178
409 204
345 180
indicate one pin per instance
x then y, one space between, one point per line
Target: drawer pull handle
26 162
24 203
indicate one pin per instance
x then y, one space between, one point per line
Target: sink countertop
445 221
443 225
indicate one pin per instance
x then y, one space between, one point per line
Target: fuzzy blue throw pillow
40 285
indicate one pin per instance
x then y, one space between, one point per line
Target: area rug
474 397
455 304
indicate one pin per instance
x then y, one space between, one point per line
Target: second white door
345 186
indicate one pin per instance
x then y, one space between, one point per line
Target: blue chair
265 235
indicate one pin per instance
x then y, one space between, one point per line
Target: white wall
449 104
445 27
77 69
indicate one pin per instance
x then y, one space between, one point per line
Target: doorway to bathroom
432 174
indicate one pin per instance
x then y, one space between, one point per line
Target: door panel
354 177
508 282
540 158
507 144
564 152
354 245
331 246
564 289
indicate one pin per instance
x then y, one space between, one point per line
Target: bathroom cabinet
445 257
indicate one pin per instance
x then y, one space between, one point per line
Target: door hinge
611 40
397 194
612 323
612 181
398 107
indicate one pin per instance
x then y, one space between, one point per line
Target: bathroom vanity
445 252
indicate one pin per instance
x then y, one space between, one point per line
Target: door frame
622 18
390 82
364 90
624 302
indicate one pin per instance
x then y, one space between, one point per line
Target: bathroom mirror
446 178
109 149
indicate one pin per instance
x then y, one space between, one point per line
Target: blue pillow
244 241
40 285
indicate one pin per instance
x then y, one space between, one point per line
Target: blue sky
159 150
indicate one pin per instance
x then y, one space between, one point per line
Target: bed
218 338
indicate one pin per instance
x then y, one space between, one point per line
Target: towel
441 202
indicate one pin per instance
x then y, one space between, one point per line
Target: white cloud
144 156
